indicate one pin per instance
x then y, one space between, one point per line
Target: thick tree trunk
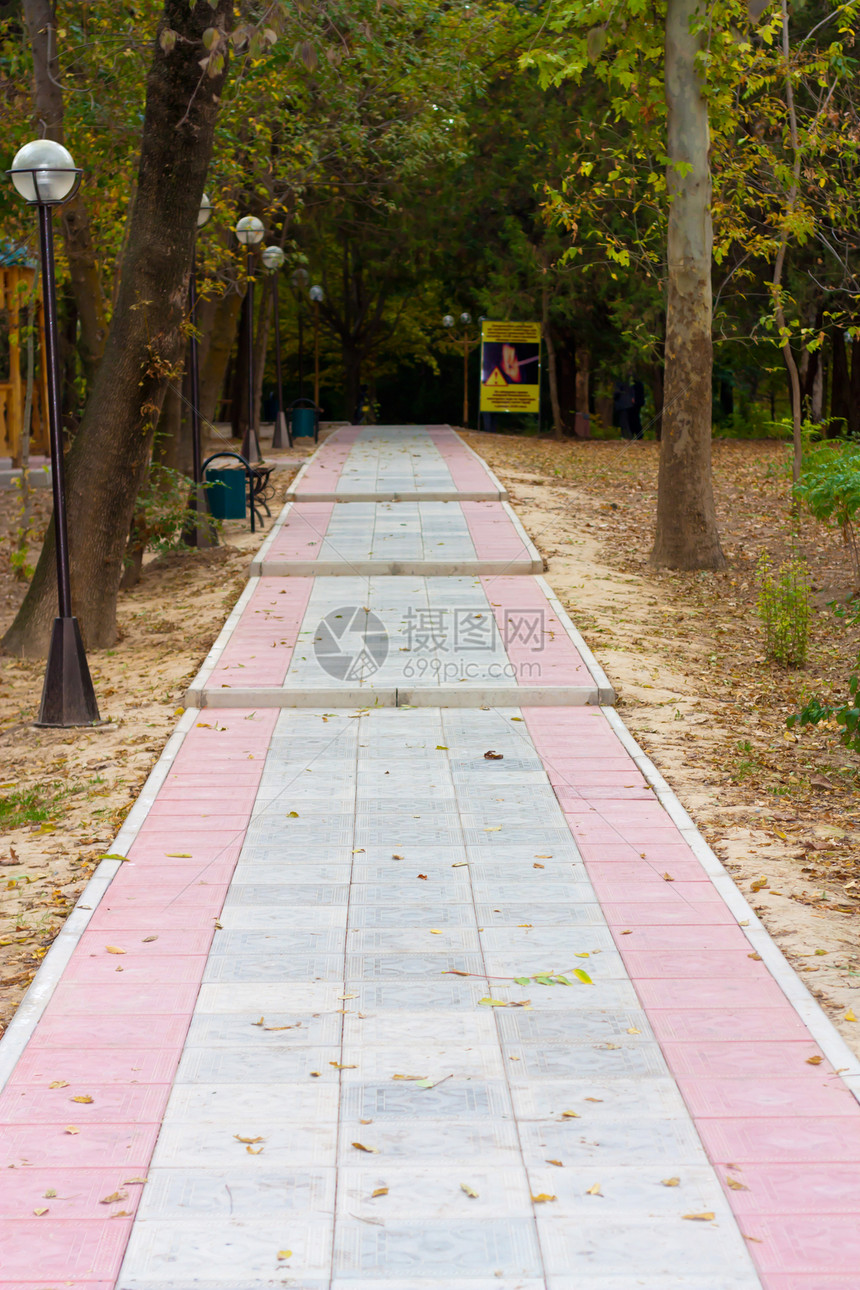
109 458
77 234
687 536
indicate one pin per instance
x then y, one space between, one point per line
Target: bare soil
781 808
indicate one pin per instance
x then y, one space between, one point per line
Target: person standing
622 405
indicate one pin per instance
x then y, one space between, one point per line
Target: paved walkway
444 995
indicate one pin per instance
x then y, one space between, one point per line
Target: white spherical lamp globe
273 257
44 172
250 230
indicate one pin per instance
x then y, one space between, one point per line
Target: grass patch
29 806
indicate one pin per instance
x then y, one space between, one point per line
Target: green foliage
163 514
784 610
830 487
846 715
29 806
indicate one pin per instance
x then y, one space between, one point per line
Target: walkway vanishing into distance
416 973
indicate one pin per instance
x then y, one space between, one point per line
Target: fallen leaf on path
814 1061
558 1163
252 1152
82 1097
379 1191
241 1139
59 1083
706 1217
571 1115
470 1191
359 1146
40 1212
50 1194
736 1185
493 756
594 1191
114 1197
71 1128
759 884
849 1016
285 1254
671 1182
543 1196
114 949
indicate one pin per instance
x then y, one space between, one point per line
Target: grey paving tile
644 1141
192 1193
433 1060
433 1192
391 1028
288 1145
586 1025
413 937
251 1105
584 1061
244 1251
468 1100
561 914
268 894
443 914
240 1031
628 1193
405 967
447 1249
263 998
274 966
277 1063
653 1247
603 1098
419 996
258 918
278 942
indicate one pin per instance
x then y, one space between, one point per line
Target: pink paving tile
661 913
655 938
202 896
755 994
706 1024
302 533
96 1146
790 1139
186 941
105 999
114 1066
59 1030
40 1285
111 1104
148 919
784 1189
205 792
740 1058
79 1192
798 1243
194 858
67 1251
141 969
646 871
654 889
691 964
141 873
767 1095
797 1281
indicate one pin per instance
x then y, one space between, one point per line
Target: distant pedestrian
622 406
363 408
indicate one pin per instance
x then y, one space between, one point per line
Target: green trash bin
304 422
226 493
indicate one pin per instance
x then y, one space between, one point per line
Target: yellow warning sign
510 367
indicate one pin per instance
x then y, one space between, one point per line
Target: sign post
510 367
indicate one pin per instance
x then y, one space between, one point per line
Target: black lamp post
202 533
250 233
273 258
46 176
317 295
300 280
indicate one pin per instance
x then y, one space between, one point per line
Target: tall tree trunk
840 387
109 458
219 321
776 285
687 535
41 22
583 391
552 373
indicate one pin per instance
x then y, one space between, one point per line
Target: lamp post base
251 447
280 435
68 698
201 531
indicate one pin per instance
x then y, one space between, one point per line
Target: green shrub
846 715
784 610
830 487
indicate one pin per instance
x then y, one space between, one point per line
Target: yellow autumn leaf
571 1115
671 1182
285 1254
594 1190
814 1061
253 1140
379 1191
543 1196
114 1197
59 1083
40 1212
706 1217
470 1191
849 1016
359 1146
83 1097
735 1185
114 949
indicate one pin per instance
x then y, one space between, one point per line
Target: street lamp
300 279
465 319
250 233
317 295
202 534
273 258
46 176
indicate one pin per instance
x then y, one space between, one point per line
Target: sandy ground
64 794
684 650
